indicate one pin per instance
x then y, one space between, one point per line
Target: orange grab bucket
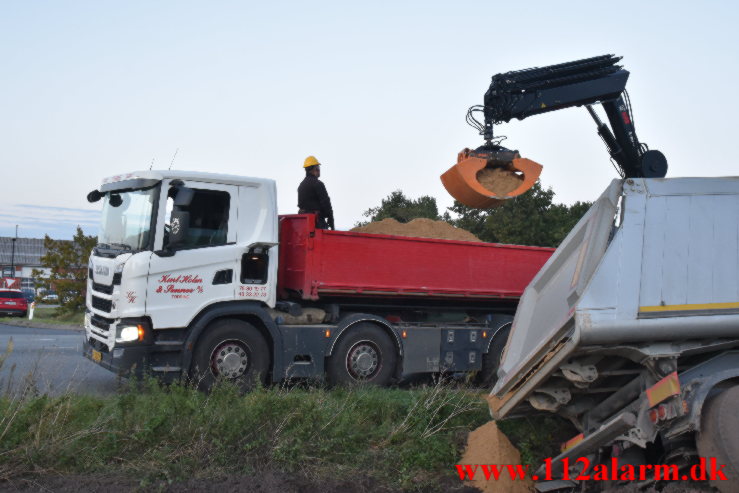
461 181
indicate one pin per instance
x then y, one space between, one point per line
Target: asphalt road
49 361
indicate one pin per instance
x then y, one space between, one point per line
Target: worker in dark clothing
313 197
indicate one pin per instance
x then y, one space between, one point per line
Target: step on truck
631 332
195 276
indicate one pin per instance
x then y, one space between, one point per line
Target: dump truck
196 276
631 329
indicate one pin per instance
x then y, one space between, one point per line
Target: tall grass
399 438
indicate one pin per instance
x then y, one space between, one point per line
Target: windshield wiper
123 246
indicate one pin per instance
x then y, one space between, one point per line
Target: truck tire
488 374
364 355
233 350
719 437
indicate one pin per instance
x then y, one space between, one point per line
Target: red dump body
316 263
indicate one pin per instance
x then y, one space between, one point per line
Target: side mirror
94 196
179 224
115 200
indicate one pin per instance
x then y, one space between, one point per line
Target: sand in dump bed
488 445
418 228
498 180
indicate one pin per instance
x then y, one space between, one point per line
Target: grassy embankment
395 438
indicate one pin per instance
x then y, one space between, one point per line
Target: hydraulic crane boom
524 93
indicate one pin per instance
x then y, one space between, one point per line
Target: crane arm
533 91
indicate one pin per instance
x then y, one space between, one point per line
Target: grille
102 288
101 304
101 323
117 279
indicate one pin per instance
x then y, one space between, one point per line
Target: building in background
20 264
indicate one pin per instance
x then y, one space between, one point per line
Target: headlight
130 333
119 268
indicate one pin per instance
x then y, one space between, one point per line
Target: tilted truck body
196 276
631 329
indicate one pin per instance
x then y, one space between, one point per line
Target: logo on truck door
181 286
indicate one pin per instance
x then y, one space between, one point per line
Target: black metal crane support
533 91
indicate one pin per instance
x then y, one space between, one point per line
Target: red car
12 302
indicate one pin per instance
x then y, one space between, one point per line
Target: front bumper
124 361
13 311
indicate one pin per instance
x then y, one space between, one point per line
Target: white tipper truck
195 276
631 332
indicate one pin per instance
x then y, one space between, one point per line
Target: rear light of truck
668 410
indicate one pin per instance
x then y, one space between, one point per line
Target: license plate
10 303
97 356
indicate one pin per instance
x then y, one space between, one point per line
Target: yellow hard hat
310 161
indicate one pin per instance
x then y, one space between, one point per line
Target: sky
377 91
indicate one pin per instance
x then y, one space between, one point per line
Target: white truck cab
223 229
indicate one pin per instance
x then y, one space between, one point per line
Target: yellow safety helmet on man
311 161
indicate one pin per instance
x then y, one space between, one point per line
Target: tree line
532 218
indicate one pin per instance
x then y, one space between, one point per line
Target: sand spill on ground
488 445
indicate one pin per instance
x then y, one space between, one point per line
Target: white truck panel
548 302
690 254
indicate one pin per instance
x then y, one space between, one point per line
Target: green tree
399 207
67 261
530 219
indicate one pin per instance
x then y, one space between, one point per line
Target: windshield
126 221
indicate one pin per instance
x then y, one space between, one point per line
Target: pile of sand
500 181
488 445
418 228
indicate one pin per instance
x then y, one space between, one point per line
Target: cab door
200 270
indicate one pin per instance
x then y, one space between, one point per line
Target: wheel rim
363 360
230 359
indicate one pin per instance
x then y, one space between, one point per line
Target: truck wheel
365 355
232 350
719 437
488 374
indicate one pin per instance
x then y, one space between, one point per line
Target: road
50 361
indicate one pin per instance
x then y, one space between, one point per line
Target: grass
49 316
398 438
537 437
